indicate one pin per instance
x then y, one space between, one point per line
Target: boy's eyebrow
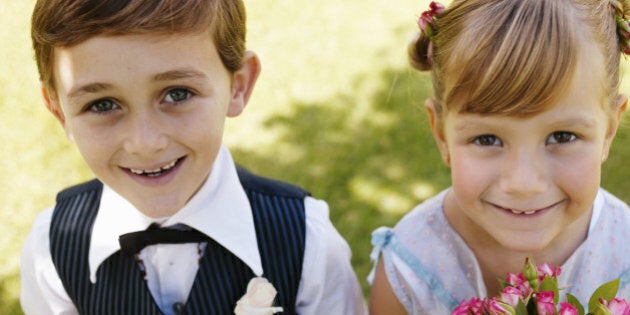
179 74
164 76
88 88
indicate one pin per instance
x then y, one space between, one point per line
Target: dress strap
385 238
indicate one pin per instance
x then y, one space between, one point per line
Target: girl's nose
146 134
524 173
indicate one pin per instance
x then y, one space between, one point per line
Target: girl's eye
177 95
561 137
102 106
487 140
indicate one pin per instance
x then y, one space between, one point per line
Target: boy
142 88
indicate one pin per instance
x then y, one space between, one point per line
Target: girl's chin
526 244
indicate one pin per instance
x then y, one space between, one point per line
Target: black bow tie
132 243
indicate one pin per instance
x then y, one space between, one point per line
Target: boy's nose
524 173
146 135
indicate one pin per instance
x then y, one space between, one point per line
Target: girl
525 109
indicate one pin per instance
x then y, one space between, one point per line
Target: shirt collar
218 209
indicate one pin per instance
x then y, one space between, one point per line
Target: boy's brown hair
65 23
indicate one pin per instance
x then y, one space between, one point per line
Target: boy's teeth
161 169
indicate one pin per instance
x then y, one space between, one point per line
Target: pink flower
461 309
511 296
474 306
623 28
496 307
617 306
518 281
567 309
544 303
426 22
548 270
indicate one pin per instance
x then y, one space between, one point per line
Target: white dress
431 269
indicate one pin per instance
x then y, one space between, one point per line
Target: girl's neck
495 260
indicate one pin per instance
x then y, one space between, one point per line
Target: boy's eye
487 140
177 95
102 105
561 137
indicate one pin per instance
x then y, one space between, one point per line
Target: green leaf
521 309
531 273
575 302
503 283
531 307
601 310
606 291
550 285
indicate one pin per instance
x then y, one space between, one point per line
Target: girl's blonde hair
514 57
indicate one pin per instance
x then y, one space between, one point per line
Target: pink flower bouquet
535 291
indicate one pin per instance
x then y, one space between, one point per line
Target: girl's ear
621 103
437 130
53 106
243 83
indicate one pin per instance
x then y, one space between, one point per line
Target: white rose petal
258 300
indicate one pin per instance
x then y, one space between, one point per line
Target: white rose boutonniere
258 299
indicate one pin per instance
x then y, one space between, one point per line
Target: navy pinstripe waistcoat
278 210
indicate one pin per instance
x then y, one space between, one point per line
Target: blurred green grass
336 110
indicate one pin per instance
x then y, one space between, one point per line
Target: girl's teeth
524 212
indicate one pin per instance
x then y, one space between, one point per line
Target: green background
336 110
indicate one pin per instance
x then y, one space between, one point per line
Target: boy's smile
147 112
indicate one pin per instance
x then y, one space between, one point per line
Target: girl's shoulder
426 261
429 213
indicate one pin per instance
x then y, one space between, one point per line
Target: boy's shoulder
268 186
93 185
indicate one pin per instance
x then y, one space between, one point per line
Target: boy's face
147 112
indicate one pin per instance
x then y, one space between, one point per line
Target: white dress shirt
328 285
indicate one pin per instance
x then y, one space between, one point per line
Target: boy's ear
243 83
53 106
437 130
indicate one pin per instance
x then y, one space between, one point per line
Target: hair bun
420 53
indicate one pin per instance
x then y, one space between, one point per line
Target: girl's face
525 182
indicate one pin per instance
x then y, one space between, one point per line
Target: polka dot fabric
431 269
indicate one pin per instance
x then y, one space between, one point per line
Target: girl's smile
531 212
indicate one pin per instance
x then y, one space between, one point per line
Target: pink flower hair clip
426 22
623 29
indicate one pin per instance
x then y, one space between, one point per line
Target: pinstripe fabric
222 277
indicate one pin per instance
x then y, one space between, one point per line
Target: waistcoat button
178 308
